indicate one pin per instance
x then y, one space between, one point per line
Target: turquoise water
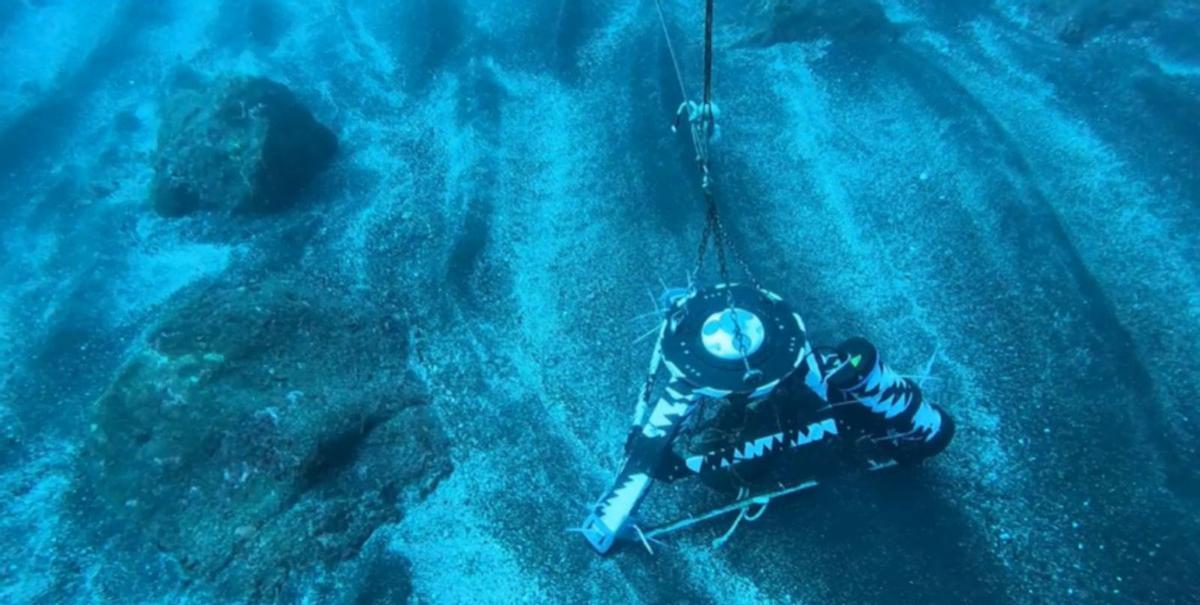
395 369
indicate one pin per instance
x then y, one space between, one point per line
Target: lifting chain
703 129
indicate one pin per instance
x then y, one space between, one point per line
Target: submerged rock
239 144
264 433
1081 20
806 20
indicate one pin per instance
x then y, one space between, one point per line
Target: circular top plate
724 338
699 343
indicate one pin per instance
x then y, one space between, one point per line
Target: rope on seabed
743 514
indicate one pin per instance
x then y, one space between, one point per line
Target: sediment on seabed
406 381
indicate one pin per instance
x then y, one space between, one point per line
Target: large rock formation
263 433
239 144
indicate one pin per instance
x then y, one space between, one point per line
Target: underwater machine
737 396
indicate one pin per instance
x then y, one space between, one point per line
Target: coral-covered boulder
264 431
237 145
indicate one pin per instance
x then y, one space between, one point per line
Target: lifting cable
708 24
662 21
702 122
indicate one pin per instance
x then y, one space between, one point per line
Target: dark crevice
468 251
337 453
440 32
480 101
571 28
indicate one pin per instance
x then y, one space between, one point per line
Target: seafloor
406 386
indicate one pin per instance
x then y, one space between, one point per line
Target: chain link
702 120
714 233
737 257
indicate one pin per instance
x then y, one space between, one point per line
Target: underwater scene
603 301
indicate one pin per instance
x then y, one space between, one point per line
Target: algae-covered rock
237 144
264 432
806 20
